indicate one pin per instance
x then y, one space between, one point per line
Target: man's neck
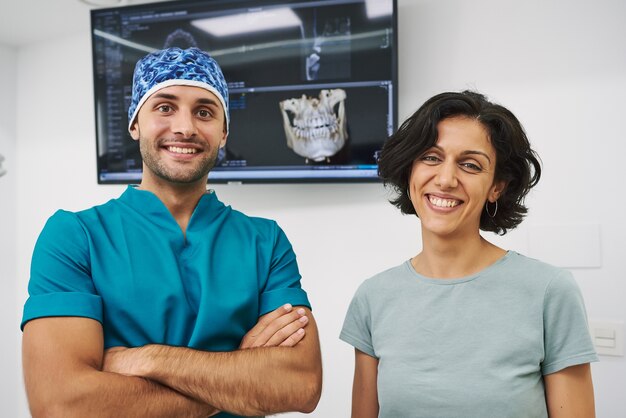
180 199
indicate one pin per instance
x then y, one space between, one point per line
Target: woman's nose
446 176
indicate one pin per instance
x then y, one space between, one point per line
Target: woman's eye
429 158
471 167
164 108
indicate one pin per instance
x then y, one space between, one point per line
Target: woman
465 328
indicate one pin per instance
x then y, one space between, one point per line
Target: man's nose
183 124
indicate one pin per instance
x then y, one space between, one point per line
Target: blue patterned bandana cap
176 67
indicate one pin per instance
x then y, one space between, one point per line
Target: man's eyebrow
165 96
207 101
173 97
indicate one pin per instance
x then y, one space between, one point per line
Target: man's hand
282 327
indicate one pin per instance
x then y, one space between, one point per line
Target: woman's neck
448 258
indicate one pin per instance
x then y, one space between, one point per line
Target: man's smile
181 150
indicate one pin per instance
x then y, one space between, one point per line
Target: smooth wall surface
559 66
8 197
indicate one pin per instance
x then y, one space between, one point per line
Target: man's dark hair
516 163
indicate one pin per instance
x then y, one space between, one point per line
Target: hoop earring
487 209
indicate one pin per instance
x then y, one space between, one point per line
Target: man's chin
184 178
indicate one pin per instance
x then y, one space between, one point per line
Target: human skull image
316 126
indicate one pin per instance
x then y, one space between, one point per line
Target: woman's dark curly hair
516 163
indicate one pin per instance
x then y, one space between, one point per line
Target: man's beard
184 174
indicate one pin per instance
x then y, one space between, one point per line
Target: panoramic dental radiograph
316 126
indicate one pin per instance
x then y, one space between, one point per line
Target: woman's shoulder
537 270
386 279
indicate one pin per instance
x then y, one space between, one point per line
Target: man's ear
224 138
496 190
134 130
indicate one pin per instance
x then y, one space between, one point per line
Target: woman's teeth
443 203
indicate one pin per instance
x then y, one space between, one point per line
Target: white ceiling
27 21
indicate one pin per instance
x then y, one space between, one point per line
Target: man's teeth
180 150
443 203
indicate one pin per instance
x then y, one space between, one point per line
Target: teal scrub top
128 265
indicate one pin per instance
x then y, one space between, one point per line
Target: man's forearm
245 382
63 363
263 380
102 395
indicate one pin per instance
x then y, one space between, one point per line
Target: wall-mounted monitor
313 83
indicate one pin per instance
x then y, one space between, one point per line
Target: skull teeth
315 127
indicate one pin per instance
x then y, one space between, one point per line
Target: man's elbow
311 392
50 410
56 405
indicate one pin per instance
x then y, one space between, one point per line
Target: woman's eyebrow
475 152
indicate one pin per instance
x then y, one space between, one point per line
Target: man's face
180 130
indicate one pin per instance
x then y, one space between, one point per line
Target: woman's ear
496 190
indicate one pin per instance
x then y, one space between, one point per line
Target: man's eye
164 108
203 113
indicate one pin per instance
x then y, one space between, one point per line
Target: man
164 302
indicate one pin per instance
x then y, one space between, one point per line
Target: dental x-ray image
316 126
312 85
329 54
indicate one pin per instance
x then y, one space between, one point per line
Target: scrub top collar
145 202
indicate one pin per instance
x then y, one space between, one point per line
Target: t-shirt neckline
449 282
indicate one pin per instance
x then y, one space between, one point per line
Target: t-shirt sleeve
283 284
567 341
60 277
357 327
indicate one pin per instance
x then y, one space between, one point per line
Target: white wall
8 197
559 65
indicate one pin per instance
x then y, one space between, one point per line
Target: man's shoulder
266 229
240 219
255 221
65 218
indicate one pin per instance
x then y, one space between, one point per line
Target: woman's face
451 181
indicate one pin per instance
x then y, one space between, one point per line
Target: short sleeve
60 278
283 284
566 333
356 329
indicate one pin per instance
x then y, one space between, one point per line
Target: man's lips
181 150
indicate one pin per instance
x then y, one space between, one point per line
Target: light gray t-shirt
474 347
